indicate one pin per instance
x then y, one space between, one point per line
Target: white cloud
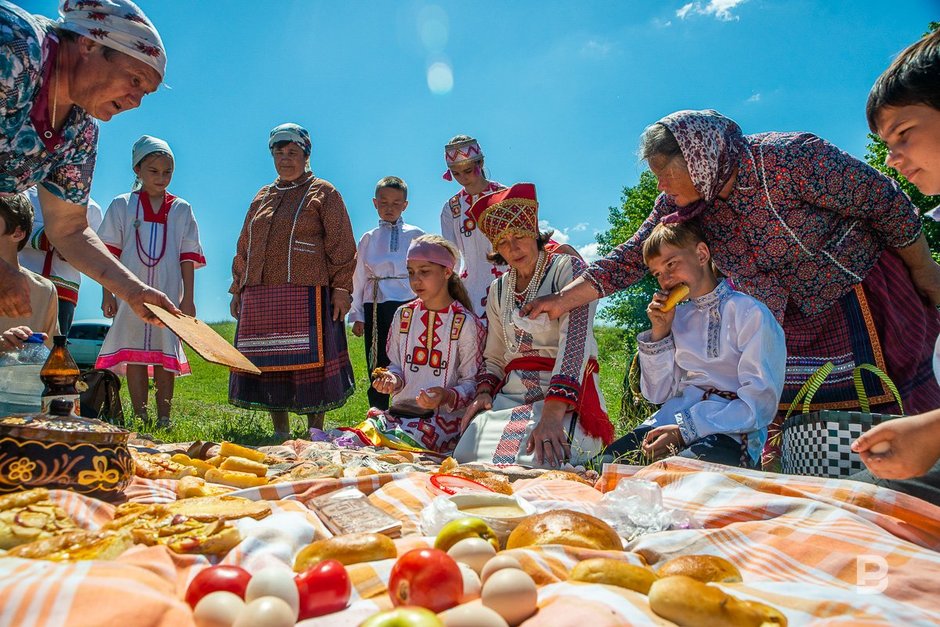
720 9
755 97
596 49
658 23
560 235
589 252
580 226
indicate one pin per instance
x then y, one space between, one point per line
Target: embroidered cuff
487 380
648 347
595 283
564 389
910 241
686 427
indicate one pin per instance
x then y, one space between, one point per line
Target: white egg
218 609
267 612
274 581
474 552
472 615
512 594
498 563
471 583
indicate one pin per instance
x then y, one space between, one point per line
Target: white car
86 338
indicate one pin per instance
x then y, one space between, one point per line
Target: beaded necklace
509 304
142 253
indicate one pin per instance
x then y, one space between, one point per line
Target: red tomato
217 578
324 588
426 577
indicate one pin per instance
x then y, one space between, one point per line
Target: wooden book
349 511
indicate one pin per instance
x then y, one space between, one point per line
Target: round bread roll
564 526
564 474
676 295
350 548
691 603
613 573
704 568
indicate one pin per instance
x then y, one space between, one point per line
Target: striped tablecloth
825 552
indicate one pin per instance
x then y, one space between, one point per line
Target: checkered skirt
288 332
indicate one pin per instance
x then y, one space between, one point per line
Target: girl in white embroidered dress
155 236
435 346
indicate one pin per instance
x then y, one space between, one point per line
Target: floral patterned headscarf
117 24
711 145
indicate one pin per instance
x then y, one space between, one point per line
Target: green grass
201 410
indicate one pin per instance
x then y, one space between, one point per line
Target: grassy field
201 410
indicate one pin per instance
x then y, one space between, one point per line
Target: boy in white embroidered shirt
716 364
380 282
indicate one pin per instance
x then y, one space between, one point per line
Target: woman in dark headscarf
830 245
291 286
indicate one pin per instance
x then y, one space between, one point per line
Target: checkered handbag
818 443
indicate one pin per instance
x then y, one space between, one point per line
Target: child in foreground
16 223
716 363
435 348
904 110
155 236
380 282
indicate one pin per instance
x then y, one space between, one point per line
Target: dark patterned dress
808 230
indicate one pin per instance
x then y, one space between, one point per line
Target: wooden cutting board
204 340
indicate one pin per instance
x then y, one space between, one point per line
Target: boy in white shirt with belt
380 282
715 364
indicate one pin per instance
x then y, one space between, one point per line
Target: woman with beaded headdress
99 59
464 159
539 396
291 290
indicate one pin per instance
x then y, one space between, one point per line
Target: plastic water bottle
20 385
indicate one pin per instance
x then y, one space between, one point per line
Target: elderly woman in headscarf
830 245
56 78
539 396
291 286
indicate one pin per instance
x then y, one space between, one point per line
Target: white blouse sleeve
659 374
111 231
575 337
393 346
360 281
761 371
494 353
190 246
470 354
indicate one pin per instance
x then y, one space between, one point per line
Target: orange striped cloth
801 544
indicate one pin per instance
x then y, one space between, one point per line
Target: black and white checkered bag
818 443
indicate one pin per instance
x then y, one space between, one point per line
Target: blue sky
556 92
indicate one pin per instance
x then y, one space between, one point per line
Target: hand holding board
204 340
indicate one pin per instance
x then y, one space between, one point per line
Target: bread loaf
347 549
613 573
676 295
691 603
243 464
566 527
234 478
704 568
229 449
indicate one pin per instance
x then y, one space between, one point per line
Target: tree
627 308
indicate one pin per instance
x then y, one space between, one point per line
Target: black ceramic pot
64 452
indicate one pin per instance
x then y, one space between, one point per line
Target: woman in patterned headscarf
291 286
101 58
830 245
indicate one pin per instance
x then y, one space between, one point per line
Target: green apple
463 528
404 617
